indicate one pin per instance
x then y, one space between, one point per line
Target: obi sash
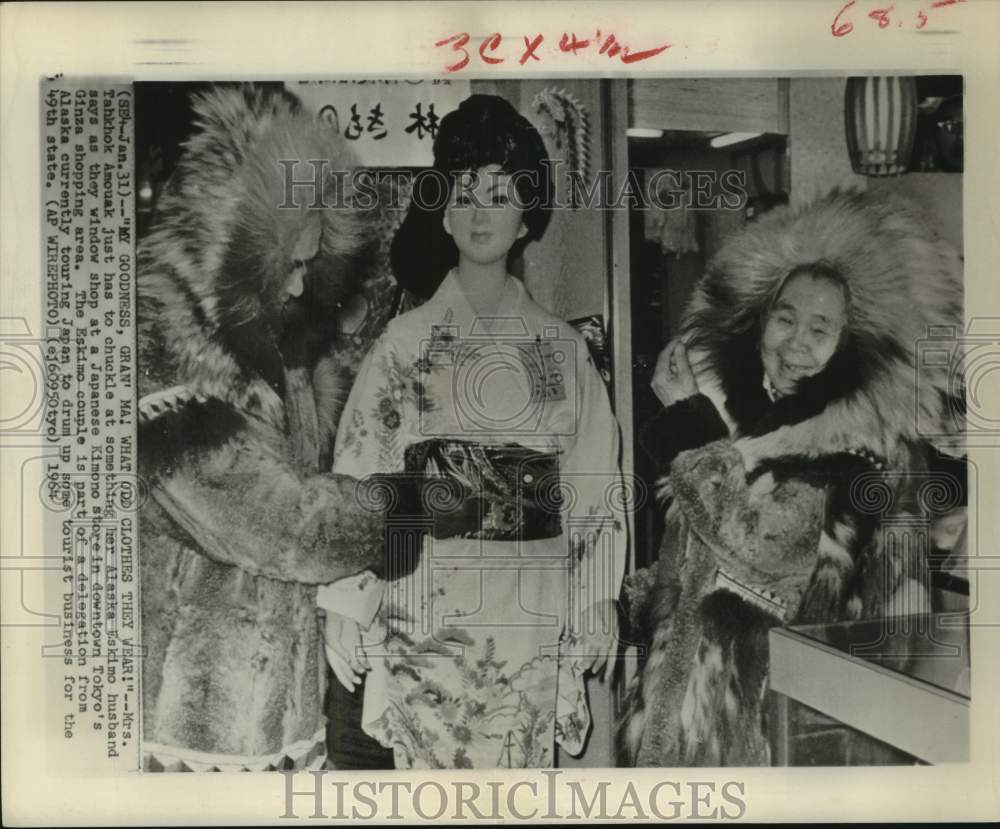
498 492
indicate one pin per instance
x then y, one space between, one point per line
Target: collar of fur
877 393
213 271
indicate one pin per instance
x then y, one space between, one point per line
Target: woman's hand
342 646
673 379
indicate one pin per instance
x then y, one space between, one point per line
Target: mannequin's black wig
484 130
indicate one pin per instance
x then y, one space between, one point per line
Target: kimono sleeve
368 442
597 529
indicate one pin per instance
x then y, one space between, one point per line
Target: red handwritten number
567 45
610 47
921 19
881 15
841 29
529 50
459 40
492 43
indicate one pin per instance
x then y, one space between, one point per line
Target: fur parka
773 517
238 294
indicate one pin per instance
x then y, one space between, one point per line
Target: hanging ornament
567 130
880 119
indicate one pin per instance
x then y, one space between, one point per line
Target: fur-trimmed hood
875 393
213 271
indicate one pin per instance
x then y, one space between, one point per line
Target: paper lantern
880 120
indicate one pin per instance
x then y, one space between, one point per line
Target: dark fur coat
240 398
776 507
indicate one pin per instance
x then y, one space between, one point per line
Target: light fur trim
903 280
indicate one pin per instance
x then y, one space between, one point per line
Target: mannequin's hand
673 379
342 645
748 452
597 640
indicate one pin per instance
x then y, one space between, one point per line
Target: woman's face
483 216
802 331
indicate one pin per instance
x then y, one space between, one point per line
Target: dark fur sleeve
687 424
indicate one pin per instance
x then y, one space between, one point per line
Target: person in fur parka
794 420
239 291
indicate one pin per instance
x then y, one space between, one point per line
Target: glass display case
873 692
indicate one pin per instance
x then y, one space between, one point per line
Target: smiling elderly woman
801 330
791 427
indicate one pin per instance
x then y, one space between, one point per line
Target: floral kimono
473 656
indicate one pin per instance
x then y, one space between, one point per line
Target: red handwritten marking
492 43
632 57
490 46
843 28
881 15
574 45
610 46
459 40
529 50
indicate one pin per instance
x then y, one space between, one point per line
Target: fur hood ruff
877 393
